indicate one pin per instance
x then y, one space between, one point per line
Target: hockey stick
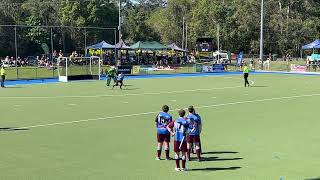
182 142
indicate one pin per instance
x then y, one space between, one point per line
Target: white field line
117 95
154 112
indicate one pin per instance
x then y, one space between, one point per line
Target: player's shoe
183 169
199 160
158 159
177 169
169 158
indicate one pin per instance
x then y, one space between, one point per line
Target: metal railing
14 73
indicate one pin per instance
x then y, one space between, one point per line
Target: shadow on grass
254 86
215 169
123 89
13 87
12 129
220 152
127 85
130 89
219 159
318 178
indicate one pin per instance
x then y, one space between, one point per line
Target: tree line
288 23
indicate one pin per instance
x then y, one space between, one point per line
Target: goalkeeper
111 74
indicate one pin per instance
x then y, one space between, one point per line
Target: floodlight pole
120 35
52 49
85 41
16 49
186 45
115 46
261 32
218 37
183 32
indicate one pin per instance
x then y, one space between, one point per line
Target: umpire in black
246 75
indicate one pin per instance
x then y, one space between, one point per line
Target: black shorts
246 75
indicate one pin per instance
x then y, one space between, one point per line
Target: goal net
79 68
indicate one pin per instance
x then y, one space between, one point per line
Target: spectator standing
3 75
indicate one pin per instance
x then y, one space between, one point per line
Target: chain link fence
29 52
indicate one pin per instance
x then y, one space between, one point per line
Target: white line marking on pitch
72 104
118 95
154 112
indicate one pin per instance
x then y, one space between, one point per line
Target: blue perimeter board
56 80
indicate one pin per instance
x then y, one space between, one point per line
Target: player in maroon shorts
163 135
178 129
194 131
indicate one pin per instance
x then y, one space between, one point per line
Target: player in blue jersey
163 135
194 132
178 129
119 82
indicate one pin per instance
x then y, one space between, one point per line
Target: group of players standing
186 131
111 74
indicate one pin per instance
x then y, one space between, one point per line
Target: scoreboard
205 48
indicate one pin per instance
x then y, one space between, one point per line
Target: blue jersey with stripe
180 128
162 121
194 121
120 77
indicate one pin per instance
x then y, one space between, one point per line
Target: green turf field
84 130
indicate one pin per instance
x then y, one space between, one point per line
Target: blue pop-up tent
314 45
101 45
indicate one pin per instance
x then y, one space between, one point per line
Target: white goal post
79 68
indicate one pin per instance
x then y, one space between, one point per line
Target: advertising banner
213 68
206 68
199 67
136 70
125 69
298 68
218 68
